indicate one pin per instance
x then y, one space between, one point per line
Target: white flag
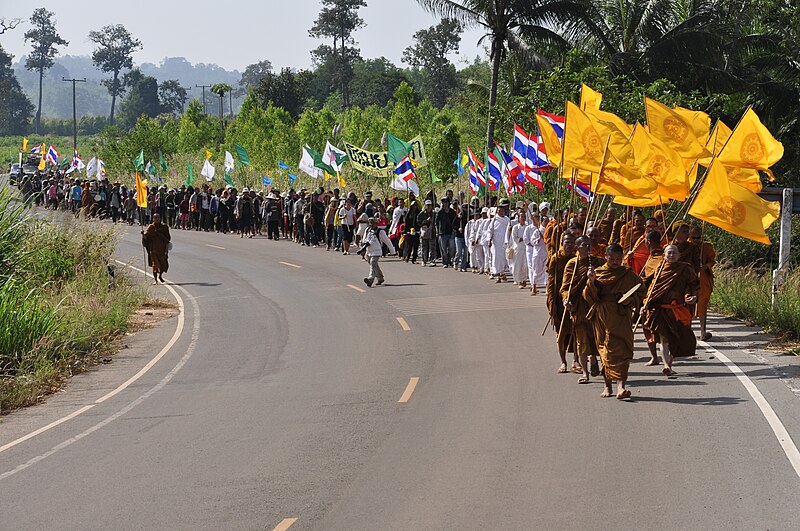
306 165
208 171
331 156
398 183
228 162
92 167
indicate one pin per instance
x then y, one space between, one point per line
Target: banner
377 163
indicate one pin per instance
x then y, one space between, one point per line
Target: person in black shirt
446 221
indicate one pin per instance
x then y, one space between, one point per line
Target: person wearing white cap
487 215
472 239
496 232
536 253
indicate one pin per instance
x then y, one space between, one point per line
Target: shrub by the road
58 312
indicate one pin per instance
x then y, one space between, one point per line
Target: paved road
280 399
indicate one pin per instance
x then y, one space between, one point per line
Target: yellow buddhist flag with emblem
616 139
751 145
716 140
657 160
605 116
617 178
42 163
732 207
699 121
552 144
141 192
583 146
641 202
24 143
744 177
674 130
590 98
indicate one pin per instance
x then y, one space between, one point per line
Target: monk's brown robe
708 258
629 236
599 250
552 236
666 313
650 267
555 304
155 239
572 289
690 254
606 227
611 320
616 230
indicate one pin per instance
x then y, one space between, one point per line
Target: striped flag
405 169
476 179
36 149
495 172
512 173
52 156
581 190
556 121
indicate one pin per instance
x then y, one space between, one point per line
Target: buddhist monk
670 289
575 275
611 317
554 230
651 266
606 225
555 305
690 253
156 240
640 252
631 233
708 258
598 242
616 229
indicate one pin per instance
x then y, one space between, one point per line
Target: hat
504 202
342 202
428 202
543 205
492 210
246 190
271 195
485 210
520 205
368 193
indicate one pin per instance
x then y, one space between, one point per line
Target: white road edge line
164 381
412 384
291 265
775 423
403 324
285 524
356 288
215 246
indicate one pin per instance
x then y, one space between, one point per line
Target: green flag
64 164
190 177
244 158
228 179
318 162
397 148
138 162
161 161
434 178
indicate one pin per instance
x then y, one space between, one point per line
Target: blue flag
282 165
266 181
457 163
292 178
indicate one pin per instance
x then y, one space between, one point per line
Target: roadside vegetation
59 313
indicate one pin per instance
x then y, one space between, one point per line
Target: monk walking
611 317
670 290
156 240
555 304
708 258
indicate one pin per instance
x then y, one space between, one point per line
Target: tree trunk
113 98
492 100
39 110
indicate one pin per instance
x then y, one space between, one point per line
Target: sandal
562 369
583 380
623 395
576 370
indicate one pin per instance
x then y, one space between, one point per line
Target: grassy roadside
58 312
746 294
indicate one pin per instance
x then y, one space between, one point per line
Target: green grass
746 294
58 313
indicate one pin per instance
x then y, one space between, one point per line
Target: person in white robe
471 239
496 232
484 238
536 253
519 260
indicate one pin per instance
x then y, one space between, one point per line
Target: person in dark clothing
446 221
411 243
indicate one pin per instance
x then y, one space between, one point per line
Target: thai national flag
405 170
102 167
495 173
76 160
52 156
519 151
512 174
581 190
534 164
476 179
556 121
36 149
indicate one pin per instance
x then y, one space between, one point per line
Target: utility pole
204 87
230 102
74 111
183 107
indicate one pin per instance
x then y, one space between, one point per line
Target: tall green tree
429 53
338 20
281 90
15 108
44 41
509 24
404 119
114 52
142 98
252 76
172 96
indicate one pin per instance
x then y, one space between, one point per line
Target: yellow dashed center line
412 384
285 524
356 288
403 324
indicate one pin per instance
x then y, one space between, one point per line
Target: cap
245 190
504 202
543 205
368 193
485 210
428 202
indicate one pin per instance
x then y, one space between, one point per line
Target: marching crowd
603 277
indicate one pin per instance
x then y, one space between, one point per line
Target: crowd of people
604 278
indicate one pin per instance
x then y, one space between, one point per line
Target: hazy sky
232 34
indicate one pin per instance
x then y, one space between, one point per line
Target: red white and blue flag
513 180
519 150
558 122
495 171
77 163
36 149
52 156
476 179
405 170
581 190
102 167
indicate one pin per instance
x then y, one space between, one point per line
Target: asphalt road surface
293 396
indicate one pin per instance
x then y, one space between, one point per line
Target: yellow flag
583 146
617 139
751 145
604 116
662 164
209 154
616 178
744 177
716 140
641 202
328 176
590 98
732 207
42 162
141 192
674 130
552 145
24 143
342 182
699 121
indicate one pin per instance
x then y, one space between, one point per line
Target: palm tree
509 25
